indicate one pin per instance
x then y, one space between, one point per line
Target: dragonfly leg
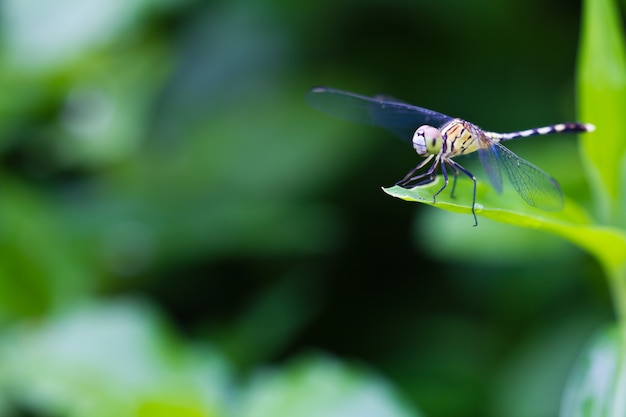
456 166
411 178
455 170
445 182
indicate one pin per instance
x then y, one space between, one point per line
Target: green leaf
316 386
37 274
597 385
602 89
572 223
113 359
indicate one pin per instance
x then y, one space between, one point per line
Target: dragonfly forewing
399 118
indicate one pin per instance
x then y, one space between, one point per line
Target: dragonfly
439 138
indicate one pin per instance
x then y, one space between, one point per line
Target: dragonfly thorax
427 140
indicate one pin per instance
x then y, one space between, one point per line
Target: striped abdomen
547 130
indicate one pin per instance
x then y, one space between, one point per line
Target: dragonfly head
427 140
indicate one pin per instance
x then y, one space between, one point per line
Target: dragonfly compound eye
427 140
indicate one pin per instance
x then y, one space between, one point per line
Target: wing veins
400 118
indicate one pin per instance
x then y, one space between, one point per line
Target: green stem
618 289
617 283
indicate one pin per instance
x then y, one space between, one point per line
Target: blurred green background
180 234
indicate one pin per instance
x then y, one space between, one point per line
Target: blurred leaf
529 381
158 409
318 386
39 35
226 187
602 89
105 118
289 305
109 360
41 265
87 100
597 385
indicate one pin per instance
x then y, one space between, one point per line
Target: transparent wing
399 118
490 162
392 99
535 186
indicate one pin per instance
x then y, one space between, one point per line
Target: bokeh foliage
182 235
